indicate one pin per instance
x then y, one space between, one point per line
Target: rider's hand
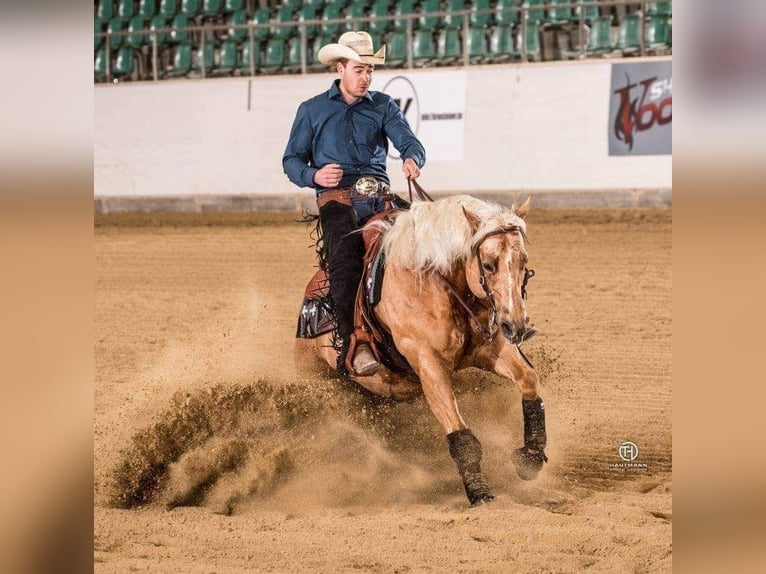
410 169
329 175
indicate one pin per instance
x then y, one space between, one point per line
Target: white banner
434 105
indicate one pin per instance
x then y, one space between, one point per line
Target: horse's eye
488 267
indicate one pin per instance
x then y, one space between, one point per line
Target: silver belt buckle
366 186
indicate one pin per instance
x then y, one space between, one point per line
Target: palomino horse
453 297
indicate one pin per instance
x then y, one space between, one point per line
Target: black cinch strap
422 194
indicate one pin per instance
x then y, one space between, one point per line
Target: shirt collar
334 92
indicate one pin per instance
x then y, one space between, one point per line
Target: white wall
527 127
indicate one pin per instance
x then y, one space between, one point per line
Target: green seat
179 32
629 39
227 57
98 28
657 32
232 6
190 8
294 53
354 16
136 40
453 20
659 9
284 16
147 8
589 13
403 8
331 12
380 8
294 4
600 38
504 15
308 12
423 49
212 7
426 21
501 43
536 11
558 14
533 41
159 22
275 55
114 26
125 9
244 61
168 8
99 64
238 23
261 23
448 46
481 15
105 10
205 55
182 60
319 41
123 65
396 48
477 44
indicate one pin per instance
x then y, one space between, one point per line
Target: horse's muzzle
512 332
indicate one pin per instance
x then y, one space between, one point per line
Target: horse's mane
435 236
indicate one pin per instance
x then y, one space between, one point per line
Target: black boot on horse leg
465 449
530 458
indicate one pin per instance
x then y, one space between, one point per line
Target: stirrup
364 362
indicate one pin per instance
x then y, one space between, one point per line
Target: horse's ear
523 209
473 221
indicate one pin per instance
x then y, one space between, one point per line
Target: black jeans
345 253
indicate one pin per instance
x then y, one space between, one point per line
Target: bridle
490 330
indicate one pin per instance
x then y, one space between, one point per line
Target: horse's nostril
507 330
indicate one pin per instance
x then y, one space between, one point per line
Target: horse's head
496 270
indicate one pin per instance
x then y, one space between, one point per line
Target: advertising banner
641 109
434 105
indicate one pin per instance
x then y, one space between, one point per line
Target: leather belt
364 188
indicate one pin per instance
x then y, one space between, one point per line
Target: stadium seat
125 9
284 16
319 41
159 22
449 49
205 54
629 41
114 26
423 49
532 42
308 12
600 38
98 28
275 55
425 21
123 65
504 15
659 9
317 4
168 8
293 54
232 6
481 15
380 8
452 20
261 23
105 10
99 65
182 61
147 8
396 48
179 33
501 43
477 44
403 8
657 33
331 12
238 23
212 7
536 11
190 8
294 4
227 57
136 40
589 13
244 61
558 14
355 12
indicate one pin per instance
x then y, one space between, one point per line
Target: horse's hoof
482 499
528 464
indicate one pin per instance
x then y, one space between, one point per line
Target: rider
338 145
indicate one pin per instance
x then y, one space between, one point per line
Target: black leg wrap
530 458
465 449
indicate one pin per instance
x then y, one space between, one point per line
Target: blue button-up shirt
328 130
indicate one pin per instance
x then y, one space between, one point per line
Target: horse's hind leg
530 458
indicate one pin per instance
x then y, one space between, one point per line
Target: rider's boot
364 362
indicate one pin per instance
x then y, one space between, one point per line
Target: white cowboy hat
356 46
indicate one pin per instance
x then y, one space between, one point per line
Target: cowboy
338 145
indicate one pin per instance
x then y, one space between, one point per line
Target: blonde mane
434 237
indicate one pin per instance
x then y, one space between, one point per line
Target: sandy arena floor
246 465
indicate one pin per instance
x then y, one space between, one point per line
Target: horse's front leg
506 360
465 449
